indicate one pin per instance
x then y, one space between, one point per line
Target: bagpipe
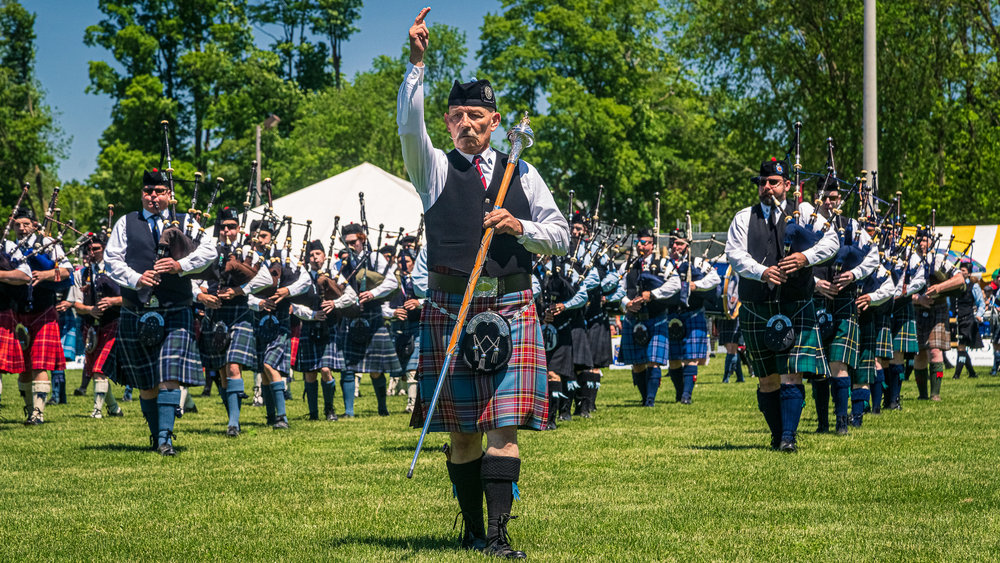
7 261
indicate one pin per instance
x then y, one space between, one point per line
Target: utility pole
870 93
271 121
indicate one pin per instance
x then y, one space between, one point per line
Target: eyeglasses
773 181
229 226
645 242
351 242
833 197
151 190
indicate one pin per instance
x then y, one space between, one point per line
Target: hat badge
778 169
487 94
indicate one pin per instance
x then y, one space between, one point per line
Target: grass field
631 484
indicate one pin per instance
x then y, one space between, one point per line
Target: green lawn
632 484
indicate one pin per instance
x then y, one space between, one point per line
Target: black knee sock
378 384
499 474
467 479
821 396
959 364
770 406
968 364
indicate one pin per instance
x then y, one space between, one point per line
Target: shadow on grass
414 543
125 448
729 447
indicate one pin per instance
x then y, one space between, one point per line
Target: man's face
263 239
678 247
316 258
406 264
470 127
155 198
354 242
24 226
923 243
96 252
831 200
408 246
772 186
228 231
646 245
578 230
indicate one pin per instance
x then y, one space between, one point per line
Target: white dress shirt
123 275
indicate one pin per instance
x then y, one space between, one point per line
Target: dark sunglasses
150 190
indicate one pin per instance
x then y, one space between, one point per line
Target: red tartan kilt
11 357
94 361
46 350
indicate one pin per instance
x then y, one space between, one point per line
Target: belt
135 307
485 287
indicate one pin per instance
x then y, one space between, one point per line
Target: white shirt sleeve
710 280
426 166
260 281
737 251
885 290
202 255
548 231
871 262
114 258
670 287
420 274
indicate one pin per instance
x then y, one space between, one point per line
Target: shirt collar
489 155
147 214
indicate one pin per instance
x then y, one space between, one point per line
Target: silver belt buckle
486 287
153 302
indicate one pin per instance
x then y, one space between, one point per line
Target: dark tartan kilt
11 356
583 357
175 359
904 327
694 345
276 353
242 348
403 331
45 351
656 351
599 335
932 327
560 359
868 331
843 345
378 355
728 330
514 396
806 354
968 332
95 362
315 354
883 324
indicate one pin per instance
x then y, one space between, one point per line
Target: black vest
825 270
766 244
634 285
965 303
140 255
455 221
95 290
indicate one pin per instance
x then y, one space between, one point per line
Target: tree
335 19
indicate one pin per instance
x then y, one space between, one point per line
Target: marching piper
908 273
15 274
970 309
771 248
874 303
933 336
493 394
406 309
157 351
728 327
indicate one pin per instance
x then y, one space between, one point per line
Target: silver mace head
521 137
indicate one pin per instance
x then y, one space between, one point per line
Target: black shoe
193 409
233 431
382 411
281 423
117 413
331 415
313 416
550 425
152 443
876 409
823 428
206 393
499 546
565 416
586 414
178 412
725 379
973 376
775 442
33 417
955 376
856 421
788 446
685 400
895 406
842 424
166 449
79 392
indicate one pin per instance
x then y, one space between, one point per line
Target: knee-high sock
921 376
84 382
499 474
677 378
347 383
555 394
412 388
151 414
329 391
100 390
111 402
58 379
312 398
187 398
166 402
738 368
959 363
728 367
278 393
468 482
690 372
876 390
639 380
379 385
39 392
234 392
840 388
792 397
859 398
936 374
569 389
357 385
652 385
893 382
821 396
968 364
267 395
24 387
770 406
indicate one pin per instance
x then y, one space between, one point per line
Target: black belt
135 307
457 284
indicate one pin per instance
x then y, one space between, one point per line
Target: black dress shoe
472 542
788 446
685 400
823 428
842 424
281 423
166 449
117 413
775 442
233 431
499 546
193 409
79 392
331 415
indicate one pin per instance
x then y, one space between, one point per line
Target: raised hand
419 38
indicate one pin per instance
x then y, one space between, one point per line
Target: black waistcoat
965 303
825 270
95 290
140 255
455 221
765 243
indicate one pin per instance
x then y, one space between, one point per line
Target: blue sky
62 58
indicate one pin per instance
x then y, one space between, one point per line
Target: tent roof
389 200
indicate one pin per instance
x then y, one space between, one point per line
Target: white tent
389 200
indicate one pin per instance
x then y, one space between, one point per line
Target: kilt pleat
242 349
560 359
694 345
728 330
868 331
806 354
45 351
277 352
514 396
378 354
968 332
11 356
95 361
656 351
904 328
175 359
932 327
315 354
599 335
583 357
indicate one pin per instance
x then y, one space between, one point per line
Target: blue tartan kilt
694 345
806 354
315 353
470 402
378 353
242 349
277 352
728 330
656 351
403 331
175 359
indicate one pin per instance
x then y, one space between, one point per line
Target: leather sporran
486 343
152 329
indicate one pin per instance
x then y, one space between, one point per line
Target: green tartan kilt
806 354
843 345
904 327
883 324
868 330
